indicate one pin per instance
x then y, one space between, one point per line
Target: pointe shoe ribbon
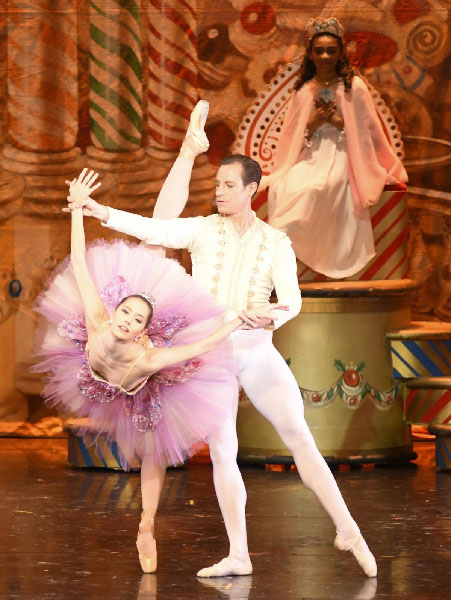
196 140
227 567
361 552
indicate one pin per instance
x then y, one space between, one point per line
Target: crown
332 26
150 299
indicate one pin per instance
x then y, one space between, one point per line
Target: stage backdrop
110 85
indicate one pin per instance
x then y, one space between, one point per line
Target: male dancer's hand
79 189
260 317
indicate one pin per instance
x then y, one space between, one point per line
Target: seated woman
332 160
140 354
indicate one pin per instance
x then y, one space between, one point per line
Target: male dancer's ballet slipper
196 140
148 560
359 548
226 567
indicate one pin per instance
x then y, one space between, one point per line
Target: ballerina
136 347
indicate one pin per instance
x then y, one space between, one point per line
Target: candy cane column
171 90
42 99
115 102
42 121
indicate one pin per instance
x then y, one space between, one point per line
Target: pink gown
173 409
321 194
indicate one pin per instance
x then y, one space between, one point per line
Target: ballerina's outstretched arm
156 359
95 311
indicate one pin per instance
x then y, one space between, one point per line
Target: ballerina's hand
81 187
260 317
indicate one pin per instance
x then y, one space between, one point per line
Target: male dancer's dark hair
251 170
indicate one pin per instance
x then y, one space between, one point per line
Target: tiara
150 299
332 26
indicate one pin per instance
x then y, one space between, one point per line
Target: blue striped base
84 452
421 358
443 452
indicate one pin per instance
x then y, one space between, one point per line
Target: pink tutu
178 406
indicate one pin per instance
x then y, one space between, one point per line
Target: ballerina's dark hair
144 299
308 69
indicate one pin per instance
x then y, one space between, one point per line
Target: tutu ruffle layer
186 403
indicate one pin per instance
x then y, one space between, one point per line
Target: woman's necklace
325 83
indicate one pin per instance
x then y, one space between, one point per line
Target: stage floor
70 533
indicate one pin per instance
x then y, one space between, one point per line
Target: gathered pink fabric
178 406
372 163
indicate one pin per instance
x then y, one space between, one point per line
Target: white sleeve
171 233
285 279
173 195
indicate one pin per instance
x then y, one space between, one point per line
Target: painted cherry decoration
351 378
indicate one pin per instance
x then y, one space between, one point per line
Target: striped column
42 100
13 406
116 103
172 73
115 98
42 71
3 71
11 186
171 93
42 123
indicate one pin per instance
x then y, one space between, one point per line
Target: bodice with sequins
142 403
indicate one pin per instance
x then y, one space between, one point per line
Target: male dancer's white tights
272 388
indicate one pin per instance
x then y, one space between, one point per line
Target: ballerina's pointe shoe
227 567
147 547
198 117
196 140
362 554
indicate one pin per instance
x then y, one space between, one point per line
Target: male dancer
240 260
